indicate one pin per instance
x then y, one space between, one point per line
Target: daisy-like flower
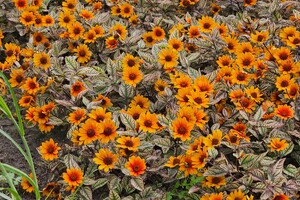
215 181
26 185
141 101
136 165
277 144
201 118
168 58
160 86
207 24
183 96
149 39
232 44
175 44
105 159
182 81
246 104
87 15
158 33
119 31
254 94
187 112
30 85
132 76
130 143
280 197
259 37
26 101
249 2
76 88
215 8
135 112
187 166
194 32
99 30
27 18
200 157
20 4
245 60
77 116
233 138
49 150
89 132
41 60
16 77
52 190
284 112
99 115
38 38
90 36
283 82
148 122
214 139
105 101
83 53
130 61
203 85
293 91
236 194
75 31
240 77
111 43
173 161
66 18
69 5
224 61
198 99
73 177
108 132
126 10
182 129
115 10
282 54
48 20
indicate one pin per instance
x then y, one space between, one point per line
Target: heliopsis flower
87 15
69 5
215 8
287 32
277 144
105 159
207 24
254 94
90 36
224 61
158 33
105 101
48 20
52 190
49 150
187 166
26 185
108 132
126 10
246 104
20 4
148 38
288 67
168 58
181 129
30 85
134 20
222 28
200 157
97 6
135 111
38 38
41 60
27 101
12 52
115 10
130 143
293 91
245 60
119 31
236 95
259 36
280 197
148 122
232 44
27 18
182 81
73 177
202 84
132 76
215 181
83 53
130 61
136 165
232 137
283 82
198 99
249 2
75 31
182 96
282 54
66 19
160 86
99 30
99 114
38 22
173 161
201 118
194 32
284 111
214 139
236 194
77 116
76 88
244 47
141 101
89 132
16 77
294 41
240 77
111 43
175 44
187 112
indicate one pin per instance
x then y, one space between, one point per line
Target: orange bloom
26 185
89 132
182 129
284 111
136 165
76 88
105 159
277 144
73 177
49 150
280 197
31 86
108 132
77 116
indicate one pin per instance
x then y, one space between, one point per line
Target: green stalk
13 190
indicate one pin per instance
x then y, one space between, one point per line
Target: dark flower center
132 76
168 58
215 180
260 38
90 132
206 25
82 53
107 131
241 77
129 143
284 83
214 141
182 130
43 60
19 78
108 160
246 62
148 123
131 63
50 149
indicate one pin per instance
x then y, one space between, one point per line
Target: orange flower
20 4
77 116
111 43
126 10
130 143
158 33
194 32
99 115
141 101
173 161
76 88
148 122
215 181
199 158
280 197
277 144
108 132
132 76
26 185
136 165
73 177
105 159
49 150
105 101
17 77
187 166
31 86
182 129
284 111
89 132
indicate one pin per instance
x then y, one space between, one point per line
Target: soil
9 154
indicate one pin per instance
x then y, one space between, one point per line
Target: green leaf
126 91
111 67
71 63
251 160
164 143
137 183
272 124
86 193
215 171
128 121
87 71
99 183
291 170
287 150
259 113
70 162
193 73
277 169
114 183
113 195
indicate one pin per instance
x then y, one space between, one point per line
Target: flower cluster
167 99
